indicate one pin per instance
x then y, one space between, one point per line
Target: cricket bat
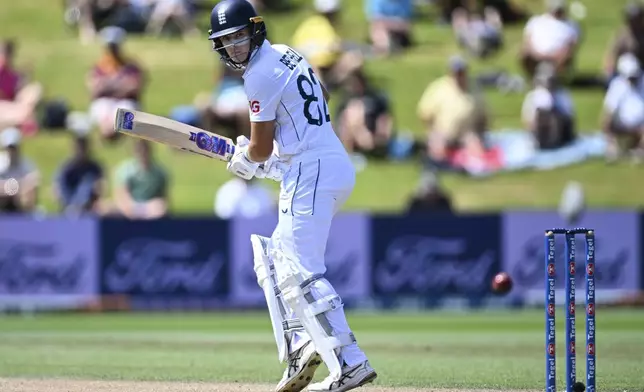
174 134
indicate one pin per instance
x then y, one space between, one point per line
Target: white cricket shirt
548 34
280 85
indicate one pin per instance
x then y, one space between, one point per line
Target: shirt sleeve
428 102
264 95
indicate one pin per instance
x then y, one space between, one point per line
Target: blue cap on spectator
113 35
10 137
457 63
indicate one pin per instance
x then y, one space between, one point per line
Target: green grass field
178 70
460 351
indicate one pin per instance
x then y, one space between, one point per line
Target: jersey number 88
305 85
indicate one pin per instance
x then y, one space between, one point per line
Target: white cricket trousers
312 192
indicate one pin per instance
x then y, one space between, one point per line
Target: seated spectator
509 10
79 183
623 118
317 39
93 15
454 114
18 99
115 82
429 196
245 199
272 5
19 177
364 119
630 39
550 37
481 33
548 111
225 110
389 25
141 189
164 11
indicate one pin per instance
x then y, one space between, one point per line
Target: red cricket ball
502 283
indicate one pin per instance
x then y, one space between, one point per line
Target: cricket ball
502 283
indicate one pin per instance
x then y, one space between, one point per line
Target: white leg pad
296 293
265 271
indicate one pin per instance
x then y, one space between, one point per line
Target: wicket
571 358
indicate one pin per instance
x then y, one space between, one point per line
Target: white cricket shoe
352 377
302 365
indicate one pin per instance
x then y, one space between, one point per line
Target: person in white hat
114 82
623 116
19 178
550 37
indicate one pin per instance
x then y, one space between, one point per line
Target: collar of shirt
254 57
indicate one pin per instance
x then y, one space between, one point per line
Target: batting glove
241 166
272 169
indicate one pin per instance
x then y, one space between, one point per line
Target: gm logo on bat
211 143
128 121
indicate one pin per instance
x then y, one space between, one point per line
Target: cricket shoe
302 365
352 377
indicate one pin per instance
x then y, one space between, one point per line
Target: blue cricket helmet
231 16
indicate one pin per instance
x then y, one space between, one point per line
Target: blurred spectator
18 99
629 39
509 10
225 109
548 111
549 37
318 40
365 121
389 24
454 113
272 5
164 11
246 199
19 177
481 33
429 196
79 183
115 82
141 188
93 15
623 117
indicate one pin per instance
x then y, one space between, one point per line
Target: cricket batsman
291 128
